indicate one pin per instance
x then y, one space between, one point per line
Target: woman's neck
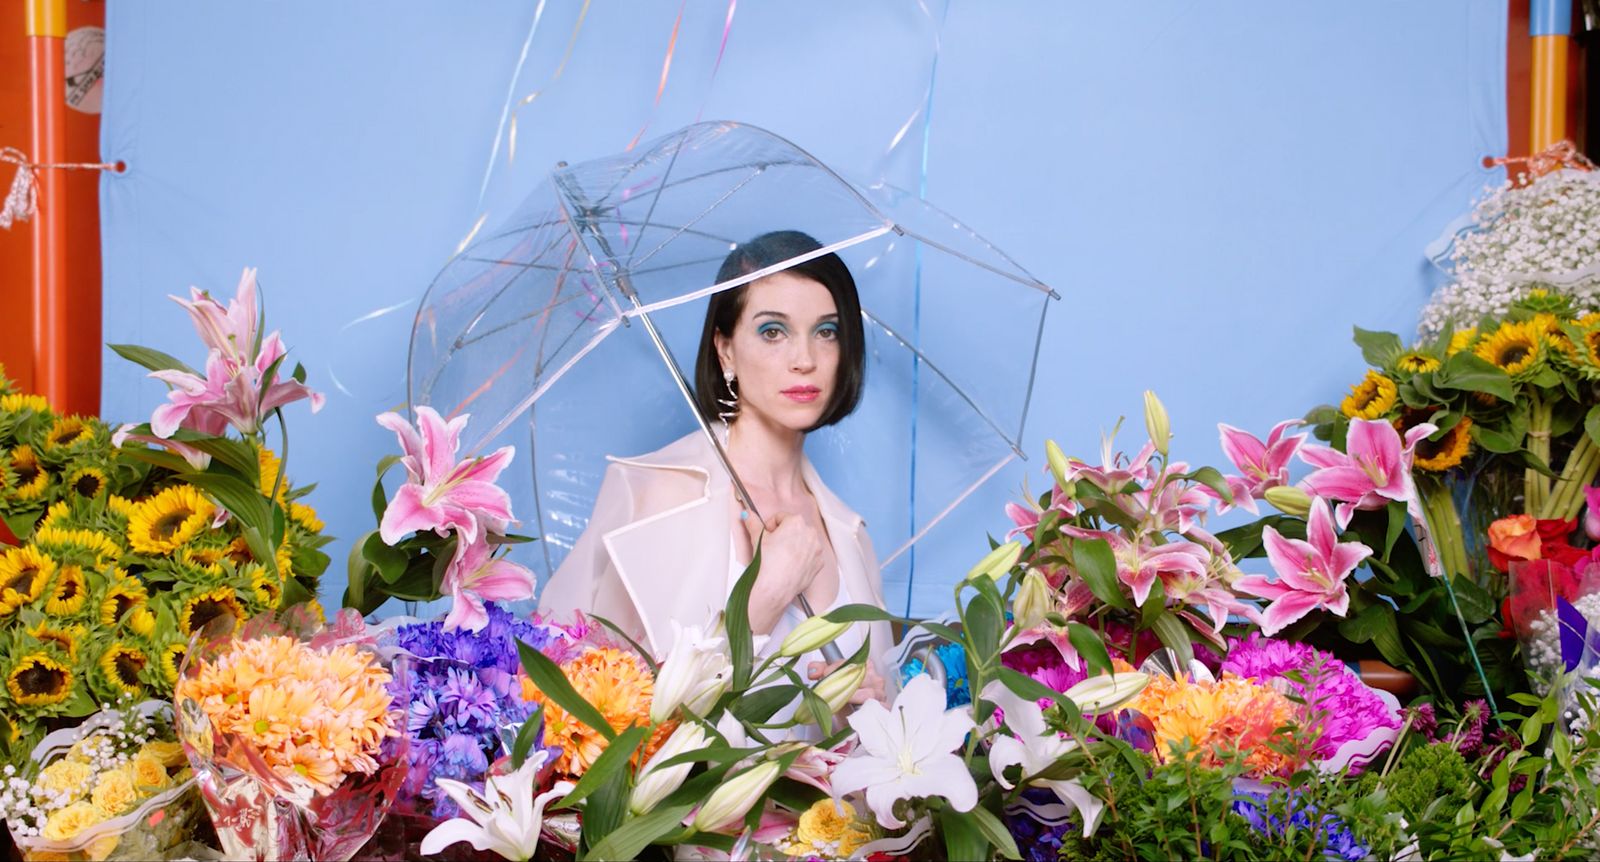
767 456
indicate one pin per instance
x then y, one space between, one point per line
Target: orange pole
1549 26
46 31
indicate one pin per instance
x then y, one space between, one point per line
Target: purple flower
1424 722
1341 705
1469 734
1338 842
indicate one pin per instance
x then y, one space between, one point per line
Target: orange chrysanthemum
619 685
1217 718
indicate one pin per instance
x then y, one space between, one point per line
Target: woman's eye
827 332
771 332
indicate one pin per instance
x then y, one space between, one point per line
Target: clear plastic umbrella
571 330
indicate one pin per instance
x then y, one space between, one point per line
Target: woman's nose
801 359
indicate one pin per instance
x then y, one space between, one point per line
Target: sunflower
73 542
270 465
125 595
285 562
1370 398
172 660
238 551
201 608
142 622
39 680
29 477
17 402
1512 348
87 483
66 431
306 517
122 664
24 572
1461 339
1416 362
1549 329
165 522
121 505
267 590
71 590
1447 451
59 513
65 637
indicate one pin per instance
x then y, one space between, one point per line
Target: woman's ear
724 351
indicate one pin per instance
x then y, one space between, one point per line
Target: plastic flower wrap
115 787
297 743
1555 611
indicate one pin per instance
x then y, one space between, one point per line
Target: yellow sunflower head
1461 339
121 505
1514 348
200 609
123 596
268 591
141 621
306 517
1416 362
270 465
59 513
18 403
67 432
26 477
1447 451
24 573
87 483
39 680
165 522
122 663
66 637
172 660
69 593
1371 398
69 543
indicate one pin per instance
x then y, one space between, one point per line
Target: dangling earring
731 403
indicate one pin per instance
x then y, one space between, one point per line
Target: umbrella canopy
571 330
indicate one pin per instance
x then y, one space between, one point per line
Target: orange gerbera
1217 718
619 685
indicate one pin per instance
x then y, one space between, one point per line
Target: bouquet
296 740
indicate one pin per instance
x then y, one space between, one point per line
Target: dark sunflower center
166 526
1427 449
88 485
239 553
26 470
60 639
128 663
22 580
42 679
176 657
1511 354
68 589
125 603
67 436
206 610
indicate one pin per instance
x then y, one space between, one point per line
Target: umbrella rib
947 510
1033 374
1027 282
655 201
696 220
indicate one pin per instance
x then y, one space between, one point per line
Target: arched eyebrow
831 316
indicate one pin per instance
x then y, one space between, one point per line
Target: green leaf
1088 644
613 762
985 623
994 832
298 375
629 839
390 562
758 706
1534 462
527 734
607 808
1397 525
1468 372
380 497
239 456
1496 440
151 358
1026 686
963 839
1379 349
1097 565
1175 636
1476 604
244 501
741 643
547 676
1211 478
860 613
1591 424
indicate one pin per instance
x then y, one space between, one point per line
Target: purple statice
1343 706
1338 842
462 692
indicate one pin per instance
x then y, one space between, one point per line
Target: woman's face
784 351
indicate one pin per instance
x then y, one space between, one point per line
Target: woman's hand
872 688
792 552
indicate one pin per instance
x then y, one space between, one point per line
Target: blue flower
1338 842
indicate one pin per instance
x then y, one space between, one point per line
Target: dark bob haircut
726 306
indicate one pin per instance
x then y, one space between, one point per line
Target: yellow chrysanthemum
122 663
1371 398
172 660
620 687
1513 348
28 476
124 595
64 541
1461 339
1446 452
167 521
70 591
65 637
306 517
39 680
87 483
267 590
18 402
201 609
269 466
67 431
1416 362
148 773
66 776
24 573
114 793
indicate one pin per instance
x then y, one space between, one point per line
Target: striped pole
1550 28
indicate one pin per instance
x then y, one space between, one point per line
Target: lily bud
1033 601
730 802
656 783
1289 500
1102 693
1155 422
813 633
836 688
998 561
1058 466
694 674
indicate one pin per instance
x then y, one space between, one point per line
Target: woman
779 357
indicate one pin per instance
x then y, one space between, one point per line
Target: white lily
696 672
907 751
505 819
656 782
1035 747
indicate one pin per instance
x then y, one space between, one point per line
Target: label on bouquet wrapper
85 61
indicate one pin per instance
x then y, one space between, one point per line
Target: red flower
1535 586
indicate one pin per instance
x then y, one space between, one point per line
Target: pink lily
1026 517
1311 574
1374 469
1179 506
232 330
444 494
1263 464
196 458
1115 471
475 575
1138 565
1591 513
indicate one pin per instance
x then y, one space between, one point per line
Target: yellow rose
66 823
66 776
147 773
114 792
168 754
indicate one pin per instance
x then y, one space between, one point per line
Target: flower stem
1578 472
1536 485
1444 527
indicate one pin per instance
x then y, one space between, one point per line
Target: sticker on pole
86 68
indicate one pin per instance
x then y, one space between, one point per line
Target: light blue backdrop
1217 190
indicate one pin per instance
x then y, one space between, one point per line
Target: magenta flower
1311 574
1138 565
1374 469
1591 513
474 576
1263 465
444 494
